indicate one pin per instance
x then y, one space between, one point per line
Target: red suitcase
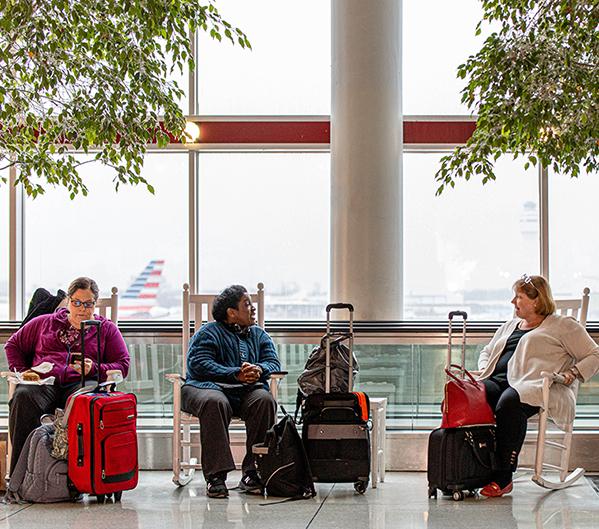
102 438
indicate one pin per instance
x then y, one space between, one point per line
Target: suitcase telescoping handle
464 317
347 306
327 369
89 323
341 306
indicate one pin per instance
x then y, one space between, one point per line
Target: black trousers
214 409
28 404
512 417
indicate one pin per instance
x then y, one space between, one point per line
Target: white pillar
366 147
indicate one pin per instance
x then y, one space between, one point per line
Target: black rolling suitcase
460 459
336 430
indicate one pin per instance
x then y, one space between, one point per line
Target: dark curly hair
228 298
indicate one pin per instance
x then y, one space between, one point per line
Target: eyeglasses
527 280
86 304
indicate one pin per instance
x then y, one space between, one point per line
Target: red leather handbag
465 402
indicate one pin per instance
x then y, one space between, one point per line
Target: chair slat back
197 308
103 305
577 308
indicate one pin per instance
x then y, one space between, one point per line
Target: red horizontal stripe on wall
432 132
319 132
265 132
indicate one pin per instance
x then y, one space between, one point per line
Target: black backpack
282 463
42 302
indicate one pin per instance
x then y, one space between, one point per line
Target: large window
574 254
286 72
265 217
130 239
464 249
4 238
438 36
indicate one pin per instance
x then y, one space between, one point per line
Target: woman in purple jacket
54 338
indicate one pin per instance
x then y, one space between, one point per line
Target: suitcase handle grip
80 454
347 306
90 323
454 313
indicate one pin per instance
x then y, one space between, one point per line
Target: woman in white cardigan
535 340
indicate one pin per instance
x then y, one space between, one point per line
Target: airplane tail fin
140 298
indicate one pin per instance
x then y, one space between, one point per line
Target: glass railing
410 375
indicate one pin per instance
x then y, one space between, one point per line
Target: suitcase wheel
102 498
432 492
361 486
458 495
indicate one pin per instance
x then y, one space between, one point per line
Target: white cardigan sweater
557 344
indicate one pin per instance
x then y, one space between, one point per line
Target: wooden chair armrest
274 381
175 378
553 377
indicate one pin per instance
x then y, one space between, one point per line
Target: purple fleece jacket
37 341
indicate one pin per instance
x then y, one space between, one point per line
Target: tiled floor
399 502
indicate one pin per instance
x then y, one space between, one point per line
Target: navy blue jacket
216 353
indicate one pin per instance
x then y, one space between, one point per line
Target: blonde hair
537 287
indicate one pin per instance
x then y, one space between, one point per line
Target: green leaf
533 85
94 74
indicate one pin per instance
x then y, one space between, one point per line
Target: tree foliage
535 88
93 75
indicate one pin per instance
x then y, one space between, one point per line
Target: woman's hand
569 376
249 373
88 366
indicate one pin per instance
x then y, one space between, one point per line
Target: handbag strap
470 440
459 380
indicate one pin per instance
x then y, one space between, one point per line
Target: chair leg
566 478
11 391
182 455
565 458
176 455
8 457
540 450
181 477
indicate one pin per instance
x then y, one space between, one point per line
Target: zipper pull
101 424
103 475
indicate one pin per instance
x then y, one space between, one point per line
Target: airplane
140 299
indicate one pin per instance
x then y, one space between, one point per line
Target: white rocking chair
184 462
559 441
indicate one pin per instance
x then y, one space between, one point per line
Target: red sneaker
492 490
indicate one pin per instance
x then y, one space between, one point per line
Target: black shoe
216 486
250 483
